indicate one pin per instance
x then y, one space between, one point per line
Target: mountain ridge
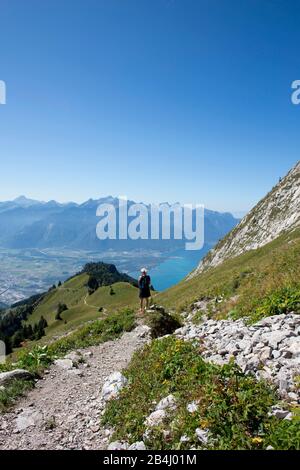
27 224
277 212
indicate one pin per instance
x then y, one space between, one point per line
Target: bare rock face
17 374
278 212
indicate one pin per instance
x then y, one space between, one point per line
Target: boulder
265 354
252 363
258 347
64 363
74 356
155 418
269 321
245 346
270 349
283 384
294 349
293 397
278 412
117 445
256 337
168 402
232 348
88 354
137 446
273 338
112 386
28 418
75 372
142 331
276 354
202 435
17 374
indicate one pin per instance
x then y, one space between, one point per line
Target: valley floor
63 410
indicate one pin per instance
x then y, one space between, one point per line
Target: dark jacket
144 286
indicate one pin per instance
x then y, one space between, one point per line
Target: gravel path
63 411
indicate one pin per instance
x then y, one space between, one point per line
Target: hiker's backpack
144 282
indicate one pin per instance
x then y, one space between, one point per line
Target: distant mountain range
27 223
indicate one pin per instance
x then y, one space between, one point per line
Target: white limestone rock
113 385
167 403
155 418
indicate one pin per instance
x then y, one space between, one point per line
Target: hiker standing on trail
144 286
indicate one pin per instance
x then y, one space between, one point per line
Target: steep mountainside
277 213
254 271
255 284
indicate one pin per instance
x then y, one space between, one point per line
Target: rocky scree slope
268 349
276 213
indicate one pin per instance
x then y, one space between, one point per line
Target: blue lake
175 268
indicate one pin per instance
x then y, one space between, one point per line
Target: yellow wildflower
257 440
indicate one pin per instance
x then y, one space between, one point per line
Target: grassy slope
252 277
71 293
81 307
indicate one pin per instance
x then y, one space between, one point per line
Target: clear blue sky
178 100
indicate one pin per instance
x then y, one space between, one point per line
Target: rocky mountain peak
277 212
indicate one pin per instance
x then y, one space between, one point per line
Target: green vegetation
283 300
233 407
16 389
162 323
27 332
67 306
60 309
258 283
81 307
13 330
95 332
71 293
92 284
105 274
